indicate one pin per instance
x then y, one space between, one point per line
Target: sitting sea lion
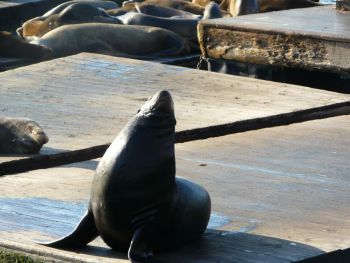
240 7
72 14
136 201
14 47
20 136
116 40
276 5
32 26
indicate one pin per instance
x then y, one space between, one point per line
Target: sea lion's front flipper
83 233
140 246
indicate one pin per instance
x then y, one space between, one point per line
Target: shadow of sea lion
37 214
224 246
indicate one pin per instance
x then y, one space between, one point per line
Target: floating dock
278 194
316 38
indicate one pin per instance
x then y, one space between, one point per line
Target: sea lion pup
33 26
14 47
20 136
72 14
117 40
136 201
240 7
276 5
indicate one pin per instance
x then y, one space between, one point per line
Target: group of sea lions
139 29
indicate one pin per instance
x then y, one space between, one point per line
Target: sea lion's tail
83 233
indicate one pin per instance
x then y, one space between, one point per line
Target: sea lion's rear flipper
140 248
83 233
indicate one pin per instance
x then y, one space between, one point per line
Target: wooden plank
72 97
311 38
57 159
274 196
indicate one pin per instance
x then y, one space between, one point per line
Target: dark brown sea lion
136 201
240 7
116 40
72 14
32 26
177 4
186 28
20 136
276 5
161 11
14 47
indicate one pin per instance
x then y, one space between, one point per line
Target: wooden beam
52 160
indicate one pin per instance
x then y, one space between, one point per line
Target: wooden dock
278 194
315 38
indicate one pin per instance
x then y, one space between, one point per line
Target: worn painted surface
280 194
71 98
275 192
315 38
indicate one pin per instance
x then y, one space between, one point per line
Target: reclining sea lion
31 26
14 47
137 203
186 28
72 14
116 40
277 5
177 4
20 136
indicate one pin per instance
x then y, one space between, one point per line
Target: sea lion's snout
161 101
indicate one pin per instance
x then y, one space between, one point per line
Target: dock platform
278 194
316 38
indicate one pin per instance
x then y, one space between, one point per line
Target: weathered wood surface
278 195
72 97
315 38
44 161
257 185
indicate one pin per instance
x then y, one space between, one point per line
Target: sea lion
240 7
277 5
21 136
186 28
14 47
136 201
72 14
31 25
116 40
161 11
177 4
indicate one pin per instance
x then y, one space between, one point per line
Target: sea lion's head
161 103
21 135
